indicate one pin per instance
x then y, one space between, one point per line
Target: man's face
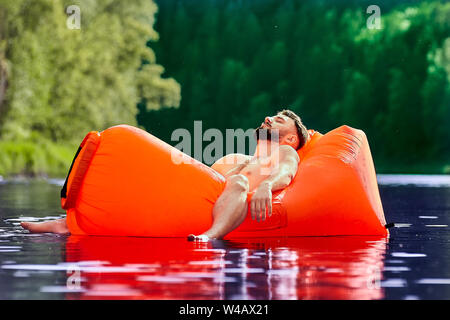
285 126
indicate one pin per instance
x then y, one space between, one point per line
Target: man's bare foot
200 238
55 226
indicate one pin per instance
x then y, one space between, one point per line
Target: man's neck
265 148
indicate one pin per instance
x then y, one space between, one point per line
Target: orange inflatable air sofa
123 182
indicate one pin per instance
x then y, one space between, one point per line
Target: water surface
412 264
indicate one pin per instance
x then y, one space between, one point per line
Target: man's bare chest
258 167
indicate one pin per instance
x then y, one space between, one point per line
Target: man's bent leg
230 209
55 226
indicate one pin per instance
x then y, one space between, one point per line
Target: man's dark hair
301 129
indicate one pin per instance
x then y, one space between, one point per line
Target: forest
161 65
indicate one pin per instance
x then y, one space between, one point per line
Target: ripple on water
70 267
437 225
408 255
395 261
393 283
162 279
433 281
7 249
61 289
403 225
207 262
112 290
418 180
396 269
411 297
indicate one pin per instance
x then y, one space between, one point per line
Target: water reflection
46 266
291 268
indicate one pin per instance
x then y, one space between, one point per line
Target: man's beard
262 133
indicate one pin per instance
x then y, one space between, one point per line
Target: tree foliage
62 82
232 62
238 61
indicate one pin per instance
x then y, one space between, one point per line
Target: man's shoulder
288 152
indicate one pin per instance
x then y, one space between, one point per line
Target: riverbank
412 168
26 159
30 159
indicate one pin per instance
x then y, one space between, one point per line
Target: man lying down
272 167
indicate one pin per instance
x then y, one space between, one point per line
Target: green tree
57 83
65 82
239 60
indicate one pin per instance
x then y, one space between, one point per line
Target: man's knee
238 182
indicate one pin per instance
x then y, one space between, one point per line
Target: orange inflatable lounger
123 182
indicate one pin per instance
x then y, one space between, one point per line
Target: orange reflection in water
171 268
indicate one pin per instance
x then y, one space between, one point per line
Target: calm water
412 264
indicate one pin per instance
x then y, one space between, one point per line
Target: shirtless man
272 167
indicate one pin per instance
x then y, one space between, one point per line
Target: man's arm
280 178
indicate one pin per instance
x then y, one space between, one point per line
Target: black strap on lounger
64 188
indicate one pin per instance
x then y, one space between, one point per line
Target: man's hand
280 178
261 200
